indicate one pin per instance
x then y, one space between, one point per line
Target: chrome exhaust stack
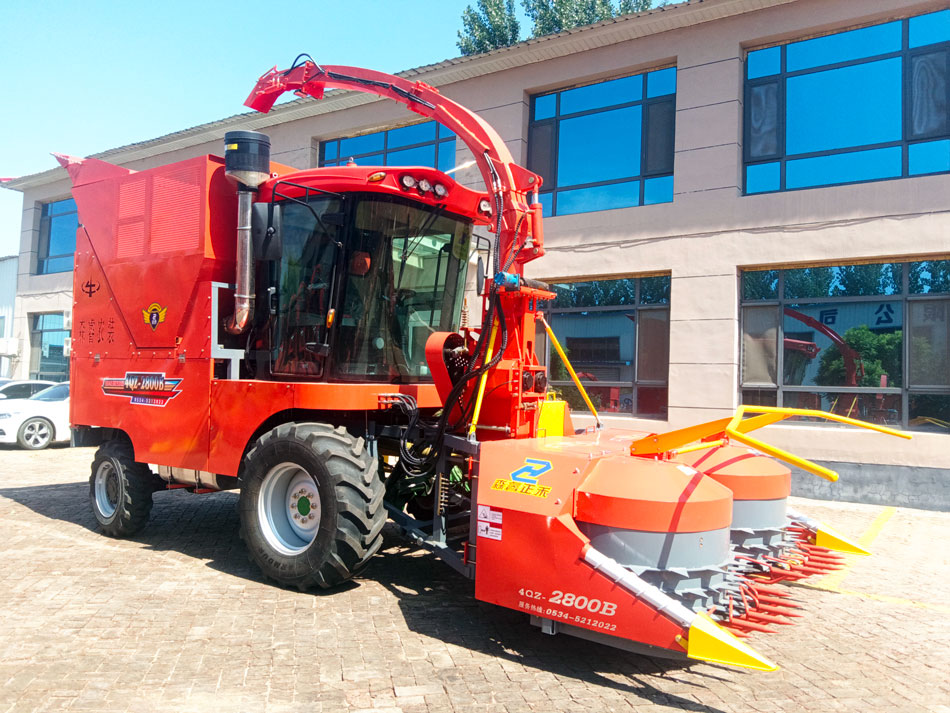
247 161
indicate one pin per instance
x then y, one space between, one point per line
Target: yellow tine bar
756 422
802 463
697 447
482 380
570 369
673 440
811 413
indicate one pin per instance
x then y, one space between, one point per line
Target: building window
605 145
616 334
425 144
866 341
863 105
58 226
47 339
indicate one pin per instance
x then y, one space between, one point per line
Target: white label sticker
486 530
487 514
686 469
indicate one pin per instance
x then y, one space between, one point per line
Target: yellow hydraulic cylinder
482 380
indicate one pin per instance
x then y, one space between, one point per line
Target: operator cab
359 266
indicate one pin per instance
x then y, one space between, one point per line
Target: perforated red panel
176 209
130 218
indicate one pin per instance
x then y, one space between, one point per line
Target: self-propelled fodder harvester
302 339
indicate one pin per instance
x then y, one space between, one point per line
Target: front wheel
311 505
120 490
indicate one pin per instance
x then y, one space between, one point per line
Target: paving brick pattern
175 619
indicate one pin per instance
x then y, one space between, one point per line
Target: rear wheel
35 434
120 490
311 505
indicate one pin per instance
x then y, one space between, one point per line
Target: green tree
875 279
552 16
929 276
489 25
760 284
809 282
628 7
880 353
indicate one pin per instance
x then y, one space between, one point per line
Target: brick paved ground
177 620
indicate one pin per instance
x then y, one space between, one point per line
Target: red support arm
506 181
853 364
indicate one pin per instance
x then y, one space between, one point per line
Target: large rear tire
120 490
311 505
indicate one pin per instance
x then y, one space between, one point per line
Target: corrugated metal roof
450 71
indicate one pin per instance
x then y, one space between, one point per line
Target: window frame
781 156
36 343
904 296
443 137
552 187
636 307
47 217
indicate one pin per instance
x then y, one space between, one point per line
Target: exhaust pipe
247 161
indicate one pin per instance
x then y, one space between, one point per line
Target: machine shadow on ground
433 599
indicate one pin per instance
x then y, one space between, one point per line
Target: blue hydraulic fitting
508 280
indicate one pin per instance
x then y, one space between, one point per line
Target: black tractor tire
35 434
120 490
336 501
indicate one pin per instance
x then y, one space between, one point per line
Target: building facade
8 346
747 202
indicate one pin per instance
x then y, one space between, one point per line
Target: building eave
440 74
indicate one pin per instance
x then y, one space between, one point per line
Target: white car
13 389
36 422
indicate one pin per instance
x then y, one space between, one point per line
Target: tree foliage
489 25
880 353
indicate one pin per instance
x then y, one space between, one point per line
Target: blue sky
83 77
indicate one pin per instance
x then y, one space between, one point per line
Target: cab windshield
404 280
393 272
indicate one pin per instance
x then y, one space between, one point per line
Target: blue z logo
531 471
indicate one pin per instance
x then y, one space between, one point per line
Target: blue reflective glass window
375 159
418 156
544 107
599 147
602 94
764 63
658 190
445 133
447 155
361 144
841 108
928 157
330 163
408 135
762 177
843 46
930 28
330 149
585 200
547 204
62 234
56 264
59 207
843 168
661 82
